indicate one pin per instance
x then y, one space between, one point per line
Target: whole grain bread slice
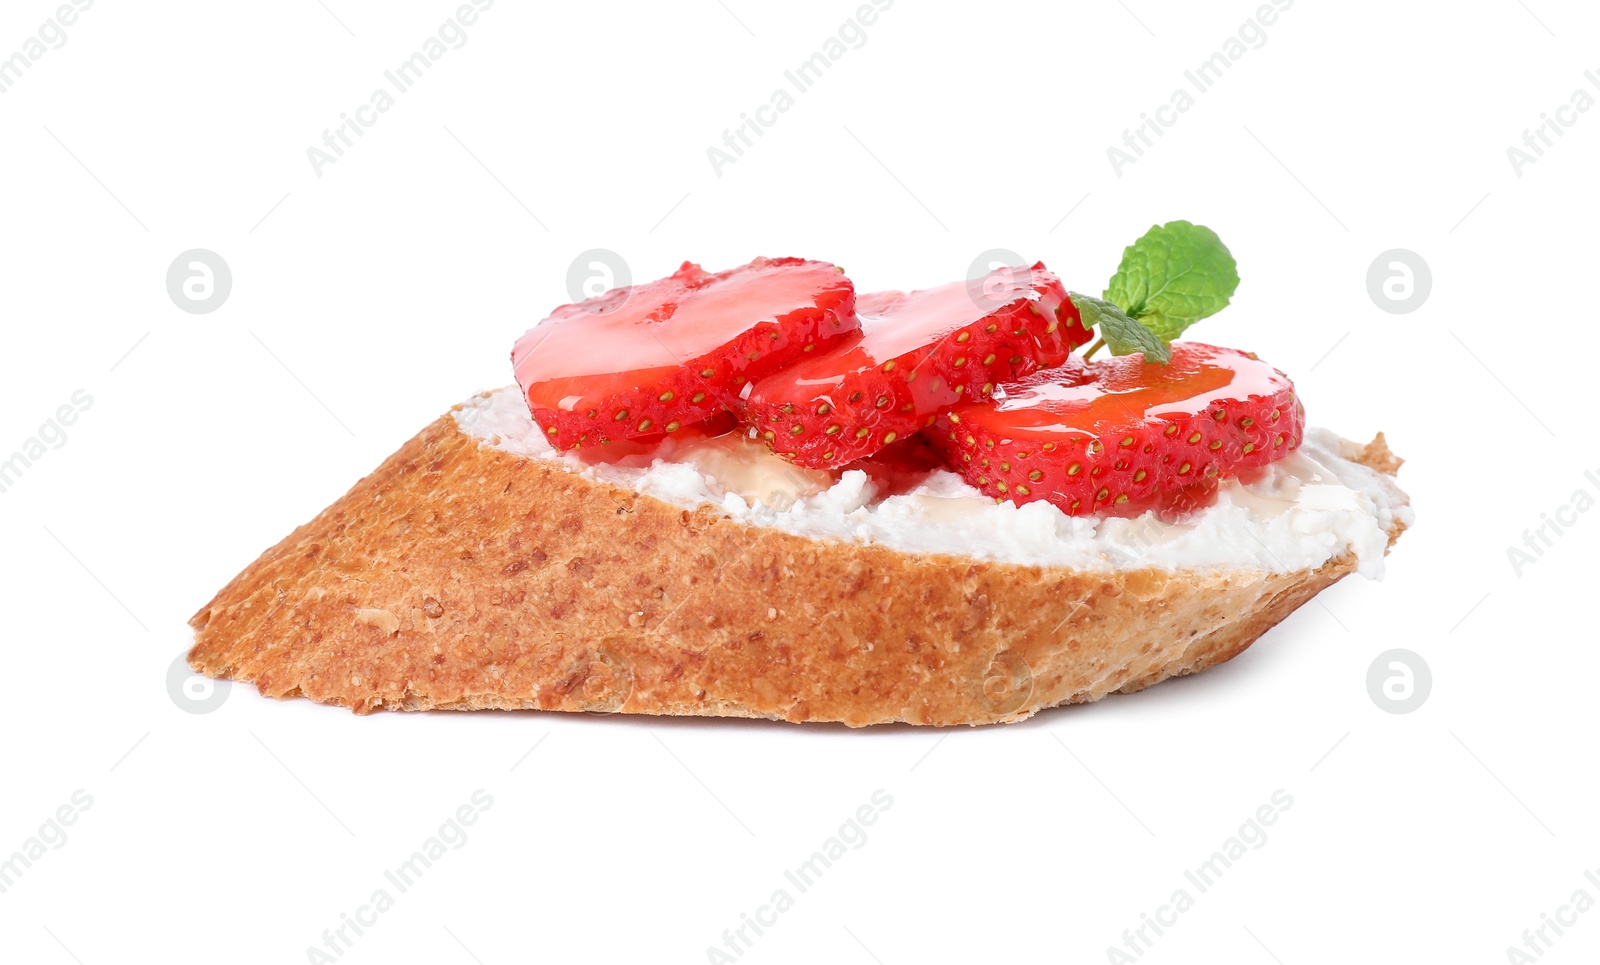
461 577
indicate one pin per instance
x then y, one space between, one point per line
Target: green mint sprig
1121 334
1175 275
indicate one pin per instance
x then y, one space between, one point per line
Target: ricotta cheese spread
1299 512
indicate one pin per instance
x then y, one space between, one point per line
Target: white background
368 299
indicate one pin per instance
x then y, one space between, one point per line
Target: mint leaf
1175 275
1122 335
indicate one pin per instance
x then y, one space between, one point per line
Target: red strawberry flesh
651 358
1121 436
915 356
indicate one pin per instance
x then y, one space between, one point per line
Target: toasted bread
462 577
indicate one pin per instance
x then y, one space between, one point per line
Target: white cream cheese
1303 510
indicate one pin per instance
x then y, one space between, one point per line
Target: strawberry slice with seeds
1121 436
648 359
915 356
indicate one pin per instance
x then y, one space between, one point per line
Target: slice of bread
462 577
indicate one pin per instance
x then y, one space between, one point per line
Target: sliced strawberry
1120 436
916 355
647 359
648 446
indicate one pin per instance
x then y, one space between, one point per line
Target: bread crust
460 577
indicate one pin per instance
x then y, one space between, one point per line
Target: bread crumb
382 619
